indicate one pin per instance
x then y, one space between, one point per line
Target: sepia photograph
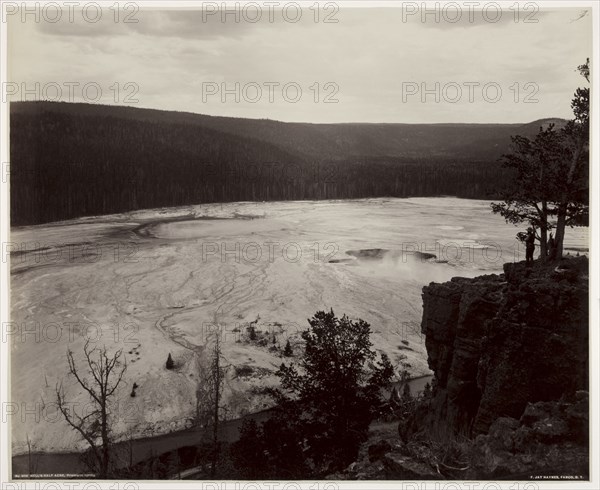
299 245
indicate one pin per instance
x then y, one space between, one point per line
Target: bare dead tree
106 375
216 378
209 392
203 394
31 465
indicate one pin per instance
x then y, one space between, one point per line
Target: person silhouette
529 247
551 247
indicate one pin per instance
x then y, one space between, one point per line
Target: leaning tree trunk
560 229
564 199
544 232
543 244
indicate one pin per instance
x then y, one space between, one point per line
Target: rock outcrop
455 316
499 342
510 395
549 441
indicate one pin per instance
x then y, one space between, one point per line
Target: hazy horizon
433 123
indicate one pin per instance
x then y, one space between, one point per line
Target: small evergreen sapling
170 362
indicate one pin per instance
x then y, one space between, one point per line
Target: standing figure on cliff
529 246
551 247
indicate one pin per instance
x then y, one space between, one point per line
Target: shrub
170 363
244 370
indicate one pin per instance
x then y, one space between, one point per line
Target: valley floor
161 281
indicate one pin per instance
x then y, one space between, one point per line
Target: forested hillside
69 160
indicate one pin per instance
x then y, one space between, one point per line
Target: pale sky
374 62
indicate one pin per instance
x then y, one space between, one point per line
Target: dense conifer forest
69 160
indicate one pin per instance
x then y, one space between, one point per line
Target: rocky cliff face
510 400
499 342
455 317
